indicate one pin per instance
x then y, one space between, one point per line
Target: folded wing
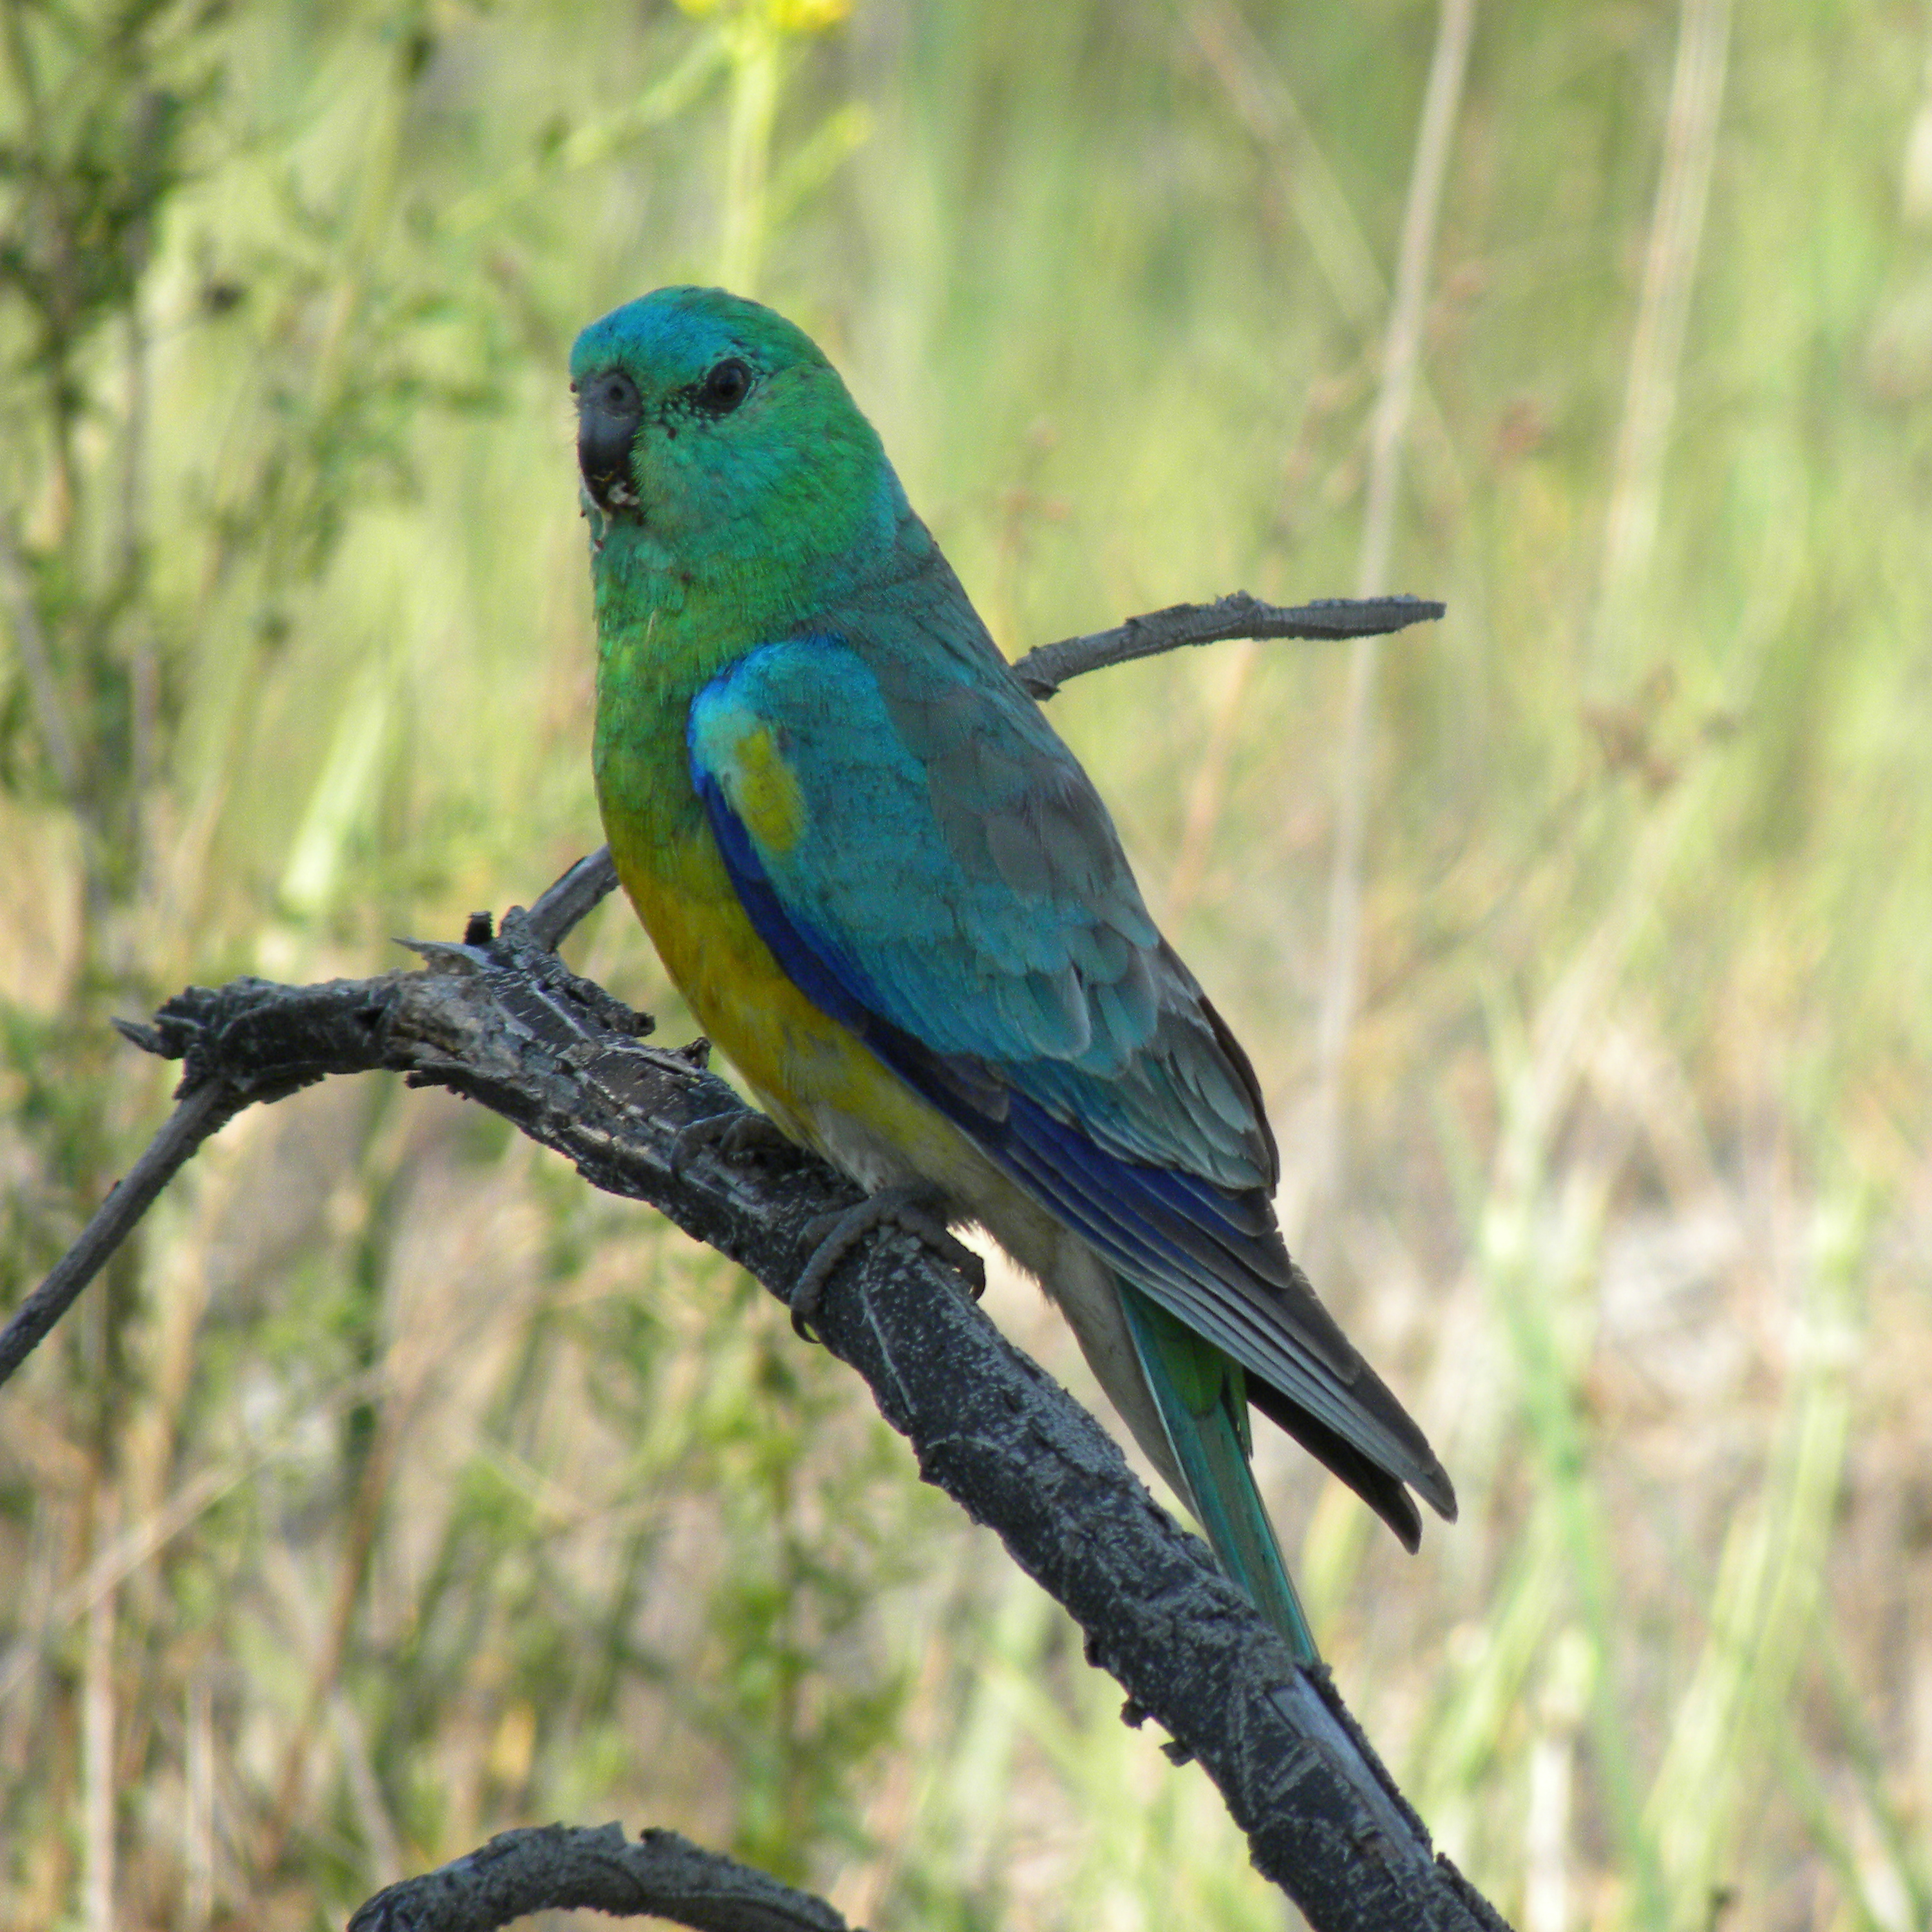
931 867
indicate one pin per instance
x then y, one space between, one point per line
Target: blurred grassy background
395 1489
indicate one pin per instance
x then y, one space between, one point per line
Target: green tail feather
1203 1403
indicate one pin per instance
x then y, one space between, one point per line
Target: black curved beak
609 410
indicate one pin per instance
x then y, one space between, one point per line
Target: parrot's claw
734 1133
910 1206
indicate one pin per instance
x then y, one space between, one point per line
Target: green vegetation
395 1489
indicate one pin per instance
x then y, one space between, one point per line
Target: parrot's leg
920 1210
733 1134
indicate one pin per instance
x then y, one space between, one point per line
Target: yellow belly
826 1089
821 1083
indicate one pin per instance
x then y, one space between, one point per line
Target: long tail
1203 1402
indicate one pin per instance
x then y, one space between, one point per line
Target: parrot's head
710 431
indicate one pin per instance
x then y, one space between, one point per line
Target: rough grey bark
499 1019
561 1867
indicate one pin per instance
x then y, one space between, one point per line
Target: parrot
893 899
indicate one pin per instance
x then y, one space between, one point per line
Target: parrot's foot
910 1206
734 1133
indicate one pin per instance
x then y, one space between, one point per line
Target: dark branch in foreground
500 1020
201 1111
561 1867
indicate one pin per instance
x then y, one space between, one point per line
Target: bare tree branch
557 914
1237 615
199 1111
502 1022
499 1019
562 1867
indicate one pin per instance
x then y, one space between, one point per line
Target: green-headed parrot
895 900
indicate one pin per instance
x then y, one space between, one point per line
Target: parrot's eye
726 385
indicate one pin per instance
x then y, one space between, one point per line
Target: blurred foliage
393 1489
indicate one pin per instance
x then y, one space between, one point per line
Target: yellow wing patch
763 790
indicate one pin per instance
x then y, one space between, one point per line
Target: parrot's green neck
661 639
668 624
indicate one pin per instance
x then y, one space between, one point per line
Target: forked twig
500 1020
203 1109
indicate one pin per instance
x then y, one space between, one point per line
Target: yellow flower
786 17
808 16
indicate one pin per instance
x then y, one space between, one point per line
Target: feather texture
893 897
